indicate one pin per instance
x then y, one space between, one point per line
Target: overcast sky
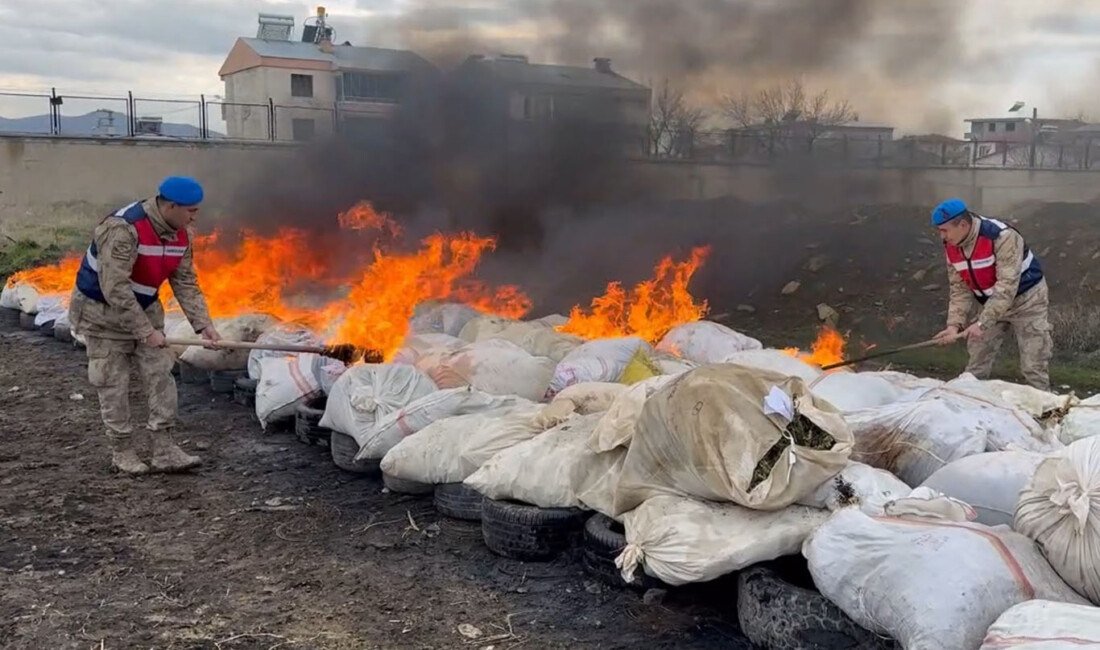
919 64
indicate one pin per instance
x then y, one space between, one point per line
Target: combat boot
167 456
125 459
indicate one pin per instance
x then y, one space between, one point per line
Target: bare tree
673 122
784 111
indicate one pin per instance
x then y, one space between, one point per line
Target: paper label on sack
777 402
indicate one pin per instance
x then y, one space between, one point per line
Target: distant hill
94 123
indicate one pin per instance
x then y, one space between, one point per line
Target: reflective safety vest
156 259
979 271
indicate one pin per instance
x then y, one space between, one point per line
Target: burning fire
363 216
826 350
55 278
649 310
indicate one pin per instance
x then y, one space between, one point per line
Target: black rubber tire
9 316
457 501
244 391
401 486
224 382
63 334
777 610
603 540
307 423
176 369
26 321
46 329
525 532
343 449
191 375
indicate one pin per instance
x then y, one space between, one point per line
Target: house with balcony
283 89
1007 141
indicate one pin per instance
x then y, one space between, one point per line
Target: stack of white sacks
920 522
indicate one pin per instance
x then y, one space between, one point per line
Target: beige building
277 88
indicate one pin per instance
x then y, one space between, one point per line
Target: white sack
990 482
1081 422
282 334
680 540
775 361
705 342
441 318
929 585
50 308
538 339
1032 401
245 328
704 434
484 327
553 321
858 484
599 360
915 439
414 348
493 366
926 503
398 425
1045 625
286 382
1060 509
852 391
19 295
616 427
582 399
548 471
367 393
450 449
672 365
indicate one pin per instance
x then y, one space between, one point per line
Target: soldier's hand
947 336
156 340
211 338
974 332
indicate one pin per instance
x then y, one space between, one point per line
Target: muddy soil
269 545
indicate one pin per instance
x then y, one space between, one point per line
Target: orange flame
826 350
648 311
363 216
55 278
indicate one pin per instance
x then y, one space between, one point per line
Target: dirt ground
269 545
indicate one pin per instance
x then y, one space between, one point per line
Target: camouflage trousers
1029 320
109 364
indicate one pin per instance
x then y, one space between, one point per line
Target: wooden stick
239 345
884 353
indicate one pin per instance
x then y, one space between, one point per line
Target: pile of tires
307 423
457 501
525 532
343 449
223 382
244 391
191 375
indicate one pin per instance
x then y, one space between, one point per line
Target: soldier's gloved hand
211 337
156 340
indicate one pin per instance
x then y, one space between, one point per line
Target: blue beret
947 211
181 190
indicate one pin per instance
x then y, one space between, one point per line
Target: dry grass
805 434
1076 327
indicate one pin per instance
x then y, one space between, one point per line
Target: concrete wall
256 85
50 182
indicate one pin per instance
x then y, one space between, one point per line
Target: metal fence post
131 120
271 118
202 117
55 112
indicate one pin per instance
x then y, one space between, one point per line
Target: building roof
1022 119
342 57
521 72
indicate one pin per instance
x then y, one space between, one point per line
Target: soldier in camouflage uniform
116 306
993 272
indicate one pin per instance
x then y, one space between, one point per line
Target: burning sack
368 393
417 347
282 334
775 361
915 439
549 471
1060 509
495 367
705 342
441 318
990 482
414 416
1044 625
538 339
245 328
732 433
583 399
1082 421
19 295
50 308
600 360
929 585
616 428
286 382
484 327
451 449
858 485
680 540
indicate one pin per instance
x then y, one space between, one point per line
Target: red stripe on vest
153 269
980 271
